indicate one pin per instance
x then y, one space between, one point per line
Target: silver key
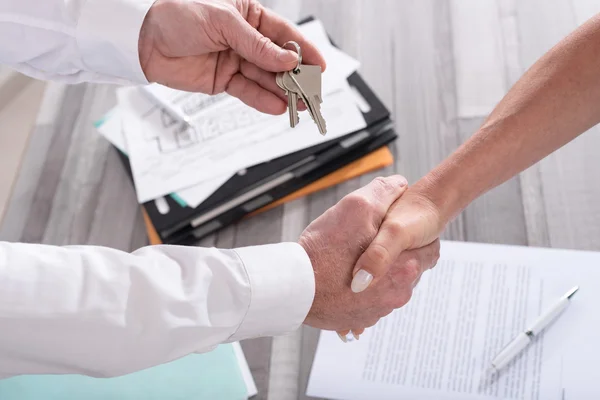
292 100
306 83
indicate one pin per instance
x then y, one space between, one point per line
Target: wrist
282 289
443 193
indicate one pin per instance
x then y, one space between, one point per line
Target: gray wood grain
73 189
23 195
116 213
75 192
42 204
568 207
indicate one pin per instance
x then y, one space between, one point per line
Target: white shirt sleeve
74 40
102 312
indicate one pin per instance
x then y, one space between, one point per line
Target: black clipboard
300 175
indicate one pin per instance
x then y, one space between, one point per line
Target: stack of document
201 162
220 374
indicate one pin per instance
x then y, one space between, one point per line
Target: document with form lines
463 312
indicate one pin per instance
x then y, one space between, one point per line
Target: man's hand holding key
303 82
215 46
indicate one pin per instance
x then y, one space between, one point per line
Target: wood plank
17 120
32 166
585 9
139 236
51 103
570 186
76 192
12 84
116 220
40 211
116 213
569 196
479 57
225 238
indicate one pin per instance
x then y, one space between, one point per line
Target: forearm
103 312
73 41
554 102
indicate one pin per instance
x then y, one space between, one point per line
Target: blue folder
210 376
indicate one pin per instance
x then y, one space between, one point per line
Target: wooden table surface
438 65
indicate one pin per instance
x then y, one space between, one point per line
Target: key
293 108
292 100
306 83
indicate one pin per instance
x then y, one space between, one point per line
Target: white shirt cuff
282 282
108 32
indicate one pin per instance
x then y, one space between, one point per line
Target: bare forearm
554 102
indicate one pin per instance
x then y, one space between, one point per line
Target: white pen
523 340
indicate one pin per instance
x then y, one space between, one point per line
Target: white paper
111 128
185 105
245 370
462 314
167 156
195 195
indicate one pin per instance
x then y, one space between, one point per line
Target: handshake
368 253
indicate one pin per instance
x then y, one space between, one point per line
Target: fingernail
355 336
361 281
287 56
342 337
403 182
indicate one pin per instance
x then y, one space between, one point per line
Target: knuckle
223 13
433 255
263 45
358 202
383 184
412 269
378 255
394 228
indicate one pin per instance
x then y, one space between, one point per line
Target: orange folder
378 159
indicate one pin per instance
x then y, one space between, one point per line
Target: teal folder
211 376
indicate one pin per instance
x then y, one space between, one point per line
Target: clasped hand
368 253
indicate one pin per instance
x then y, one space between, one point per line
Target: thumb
258 49
391 240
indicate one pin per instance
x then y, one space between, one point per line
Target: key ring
299 51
